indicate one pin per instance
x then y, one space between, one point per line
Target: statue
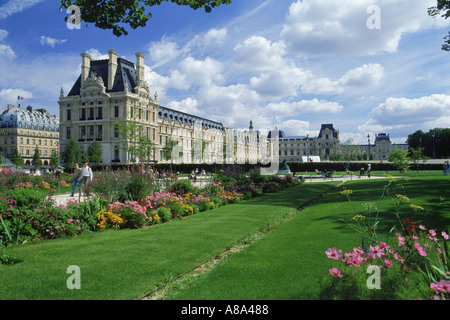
284 166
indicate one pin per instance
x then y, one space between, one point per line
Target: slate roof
125 73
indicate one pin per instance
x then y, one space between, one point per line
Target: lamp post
434 148
368 140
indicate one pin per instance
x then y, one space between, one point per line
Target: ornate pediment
93 85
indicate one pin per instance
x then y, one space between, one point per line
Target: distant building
382 147
305 148
24 129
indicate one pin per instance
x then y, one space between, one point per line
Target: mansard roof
18 117
165 113
329 127
125 73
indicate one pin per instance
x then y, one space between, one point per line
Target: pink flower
401 240
334 254
422 227
445 235
387 263
442 286
384 245
420 249
432 232
376 252
335 273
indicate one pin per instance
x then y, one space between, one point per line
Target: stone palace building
114 89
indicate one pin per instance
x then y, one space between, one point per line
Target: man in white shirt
86 177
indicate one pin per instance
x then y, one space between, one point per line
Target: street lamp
368 140
434 149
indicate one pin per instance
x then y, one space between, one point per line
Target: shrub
164 214
26 196
182 187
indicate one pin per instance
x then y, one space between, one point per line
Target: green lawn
128 264
290 263
287 263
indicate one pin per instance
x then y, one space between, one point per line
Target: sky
365 66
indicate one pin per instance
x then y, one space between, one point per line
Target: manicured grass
290 262
127 264
287 263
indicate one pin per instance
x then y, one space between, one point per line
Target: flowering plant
415 264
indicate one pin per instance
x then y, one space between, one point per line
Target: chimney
112 67
140 66
30 108
85 67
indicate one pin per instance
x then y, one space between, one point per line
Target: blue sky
286 63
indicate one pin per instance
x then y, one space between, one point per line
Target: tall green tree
95 152
114 14
130 129
71 154
399 158
36 162
145 149
168 149
417 155
54 160
16 158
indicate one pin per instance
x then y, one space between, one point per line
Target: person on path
86 177
368 170
76 180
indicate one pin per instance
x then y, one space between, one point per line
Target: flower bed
26 214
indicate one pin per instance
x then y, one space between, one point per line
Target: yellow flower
346 192
390 177
358 218
402 197
416 207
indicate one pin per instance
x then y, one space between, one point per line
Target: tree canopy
442 9
114 14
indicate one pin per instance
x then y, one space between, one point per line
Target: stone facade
114 89
26 129
305 148
382 147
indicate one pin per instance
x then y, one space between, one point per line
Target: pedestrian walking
76 180
86 177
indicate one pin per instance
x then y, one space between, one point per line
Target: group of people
195 172
81 177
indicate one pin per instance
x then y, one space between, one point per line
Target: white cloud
330 27
96 55
289 109
6 51
14 6
294 127
3 34
188 105
202 72
406 114
212 37
51 41
9 96
164 51
365 76
259 54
